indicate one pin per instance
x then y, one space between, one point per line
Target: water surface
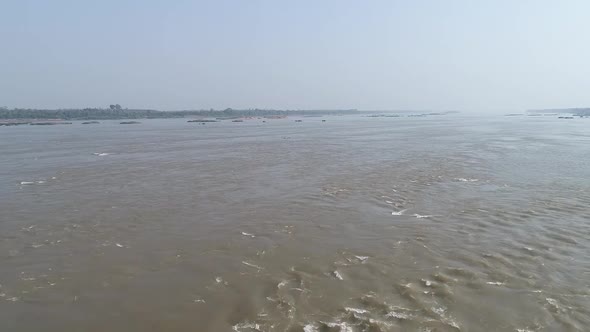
355 224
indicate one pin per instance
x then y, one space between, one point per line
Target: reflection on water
354 224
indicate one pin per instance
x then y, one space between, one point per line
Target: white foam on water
466 180
398 213
444 318
419 216
389 202
219 280
552 302
344 327
254 326
356 310
428 283
199 301
496 283
119 245
282 284
40 182
337 275
363 259
35 245
248 234
252 265
524 330
26 183
398 315
380 323
310 328
12 299
101 154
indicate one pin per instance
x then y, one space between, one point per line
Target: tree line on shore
117 112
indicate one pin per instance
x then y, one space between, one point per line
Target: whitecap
362 258
466 180
344 327
427 283
252 265
398 213
337 275
398 315
445 319
248 234
101 154
238 327
282 284
496 283
419 216
310 328
552 302
356 311
40 182
119 245
380 323
26 183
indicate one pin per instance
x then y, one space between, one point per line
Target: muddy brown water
448 223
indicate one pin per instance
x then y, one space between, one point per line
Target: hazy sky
300 54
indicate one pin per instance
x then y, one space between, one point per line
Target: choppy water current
355 224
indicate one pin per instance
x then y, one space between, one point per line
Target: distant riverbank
116 114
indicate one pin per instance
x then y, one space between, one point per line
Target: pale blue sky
376 54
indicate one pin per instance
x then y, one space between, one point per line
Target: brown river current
449 223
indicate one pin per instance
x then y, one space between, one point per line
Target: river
440 223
